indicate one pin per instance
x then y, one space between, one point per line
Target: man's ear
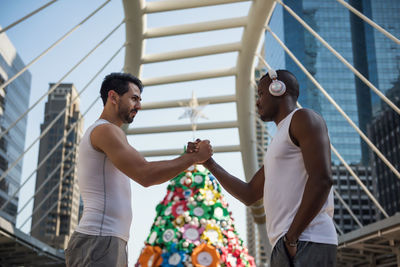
112 95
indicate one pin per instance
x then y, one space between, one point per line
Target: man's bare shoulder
107 128
307 124
305 118
106 134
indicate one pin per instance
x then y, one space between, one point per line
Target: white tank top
105 190
285 180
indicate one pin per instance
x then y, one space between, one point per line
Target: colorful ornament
209 195
154 235
199 180
192 233
200 211
179 208
193 226
212 234
167 198
219 212
205 255
150 257
173 257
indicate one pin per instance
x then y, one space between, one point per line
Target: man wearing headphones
295 180
106 165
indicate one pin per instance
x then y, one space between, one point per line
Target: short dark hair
119 82
288 78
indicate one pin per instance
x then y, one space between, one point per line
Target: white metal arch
136 35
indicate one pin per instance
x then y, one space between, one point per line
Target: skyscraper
14 101
56 207
373 54
384 130
354 196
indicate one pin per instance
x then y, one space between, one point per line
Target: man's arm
248 193
309 132
112 141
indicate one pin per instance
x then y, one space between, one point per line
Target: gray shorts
91 250
308 254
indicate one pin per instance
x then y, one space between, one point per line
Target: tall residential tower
56 208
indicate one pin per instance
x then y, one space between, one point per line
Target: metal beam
201 101
135 25
377 246
378 229
176 152
26 250
182 128
194 52
163 6
259 13
363 248
209 74
27 16
195 27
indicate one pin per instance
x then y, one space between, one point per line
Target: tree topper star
193 111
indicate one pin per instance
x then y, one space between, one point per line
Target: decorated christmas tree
193 226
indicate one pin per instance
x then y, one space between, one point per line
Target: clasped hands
200 148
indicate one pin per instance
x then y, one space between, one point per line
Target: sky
36 34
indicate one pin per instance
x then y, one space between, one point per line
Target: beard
125 114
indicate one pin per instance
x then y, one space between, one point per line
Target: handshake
200 149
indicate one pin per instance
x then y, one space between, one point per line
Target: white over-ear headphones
276 87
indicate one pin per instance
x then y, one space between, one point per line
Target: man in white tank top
106 164
295 180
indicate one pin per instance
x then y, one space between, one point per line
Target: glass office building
373 54
14 101
384 62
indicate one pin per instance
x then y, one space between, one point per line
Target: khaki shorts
91 250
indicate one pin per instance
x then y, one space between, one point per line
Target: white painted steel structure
376 243
243 71
260 11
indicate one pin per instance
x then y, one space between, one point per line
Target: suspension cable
338 228
52 46
49 126
54 171
349 169
342 59
360 183
58 83
53 150
369 21
72 126
315 82
347 207
42 97
47 196
366 190
27 16
47 212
